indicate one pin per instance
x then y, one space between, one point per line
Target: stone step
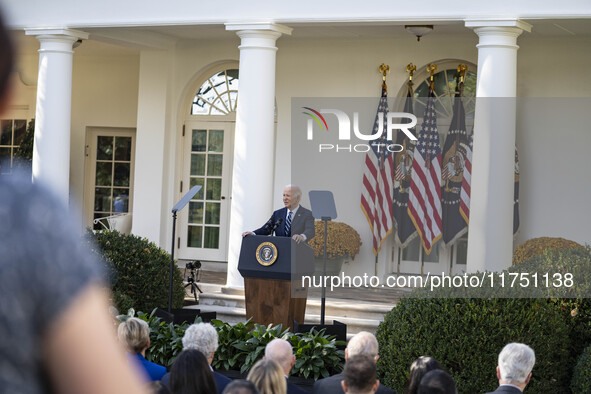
333 307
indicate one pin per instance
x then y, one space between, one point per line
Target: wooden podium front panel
269 301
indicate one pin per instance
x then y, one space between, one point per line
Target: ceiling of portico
128 40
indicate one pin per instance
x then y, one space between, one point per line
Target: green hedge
581 382
466 335
241 345
139 271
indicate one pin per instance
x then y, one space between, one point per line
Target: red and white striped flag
465 193
424 201
378 182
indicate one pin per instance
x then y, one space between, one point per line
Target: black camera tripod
193 277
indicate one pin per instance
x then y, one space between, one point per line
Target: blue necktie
288 224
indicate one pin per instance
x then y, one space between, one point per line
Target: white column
51 149
254 141
490 235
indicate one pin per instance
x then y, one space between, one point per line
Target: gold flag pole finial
410 68
431 68
462 68
384 69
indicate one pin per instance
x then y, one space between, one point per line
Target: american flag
424 202
465 193
378 181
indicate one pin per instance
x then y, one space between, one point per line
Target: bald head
363 343
279 350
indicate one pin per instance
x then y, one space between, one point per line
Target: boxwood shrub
465 335
581 382
139 271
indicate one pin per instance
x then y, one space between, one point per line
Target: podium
272 268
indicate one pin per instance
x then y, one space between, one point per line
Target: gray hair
516 361
279 350
297 192
363 343
134 333
201 336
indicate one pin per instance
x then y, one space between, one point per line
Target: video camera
193 265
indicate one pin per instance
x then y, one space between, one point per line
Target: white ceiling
129 40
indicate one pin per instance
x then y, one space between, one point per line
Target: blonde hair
134 333
268 377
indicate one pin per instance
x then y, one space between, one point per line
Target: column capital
259 26
499 23
58 32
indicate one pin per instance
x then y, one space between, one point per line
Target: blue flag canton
428 141
380 146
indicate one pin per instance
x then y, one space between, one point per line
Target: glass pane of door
206 167
112 176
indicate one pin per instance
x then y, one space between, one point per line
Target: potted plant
342 244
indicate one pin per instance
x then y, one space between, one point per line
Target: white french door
109 165
207 162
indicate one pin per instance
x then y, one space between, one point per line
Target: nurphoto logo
344 130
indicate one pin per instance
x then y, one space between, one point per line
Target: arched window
444 86
218 95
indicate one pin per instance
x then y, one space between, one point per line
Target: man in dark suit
203 337
280 351
359 375
363 343
292 221
516 361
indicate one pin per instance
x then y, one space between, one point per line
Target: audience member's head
363 343
268 377
157 387
240 386
437 381
418 369
360 375
134 333
280 350
516 361
190 373
202 337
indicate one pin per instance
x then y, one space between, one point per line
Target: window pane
197 164
461 251
98 226
411 252
102 199
214 189
122 172
6 137
212 213
200 182
199 140
216 141
20 127
195 212
214 165
212 237
194 236
5 160
121 200
123 148
103 173
104 148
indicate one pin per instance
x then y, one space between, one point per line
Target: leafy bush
537 246
581 382
466 335
139 271
342 240
243 344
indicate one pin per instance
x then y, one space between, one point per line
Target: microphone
277 224
269 225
